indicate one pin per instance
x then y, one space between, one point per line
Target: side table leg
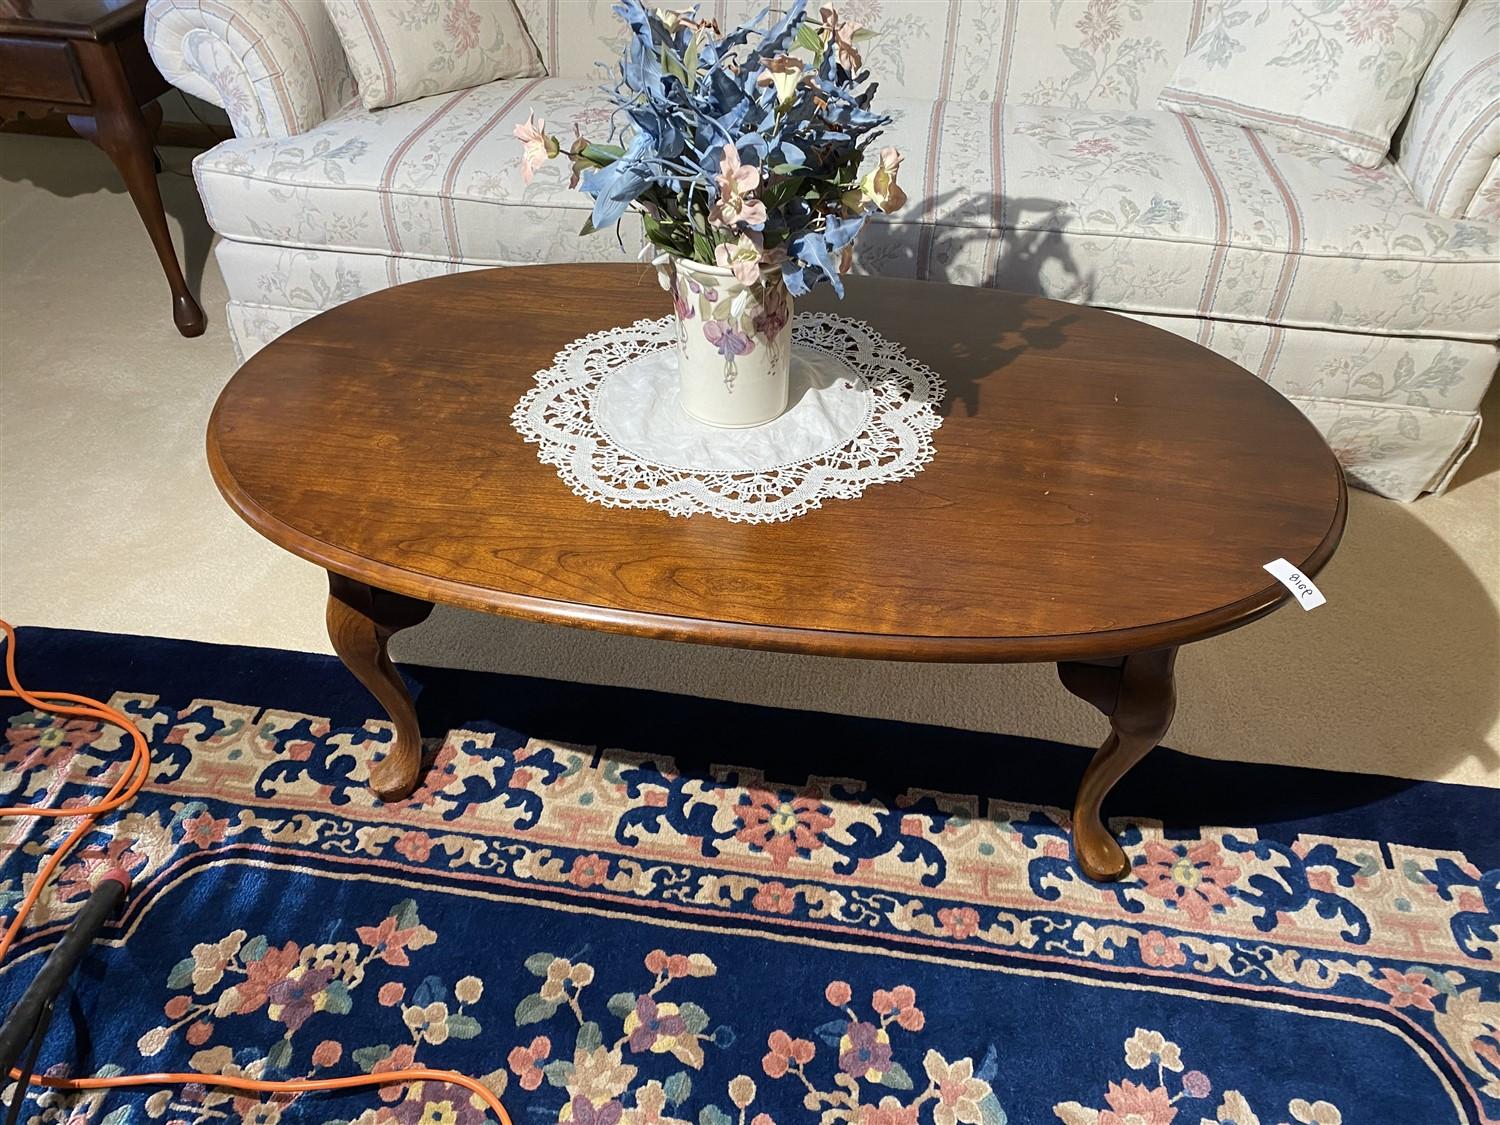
361 619
1139 696
122 130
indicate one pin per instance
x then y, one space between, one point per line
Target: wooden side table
87 59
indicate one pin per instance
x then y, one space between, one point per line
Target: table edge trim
772 638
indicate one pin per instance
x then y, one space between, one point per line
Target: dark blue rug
622 908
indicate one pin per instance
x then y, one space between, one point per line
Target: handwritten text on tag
1308 596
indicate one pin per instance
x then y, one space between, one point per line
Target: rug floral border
1400 935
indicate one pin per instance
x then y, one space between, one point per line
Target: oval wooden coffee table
1103 493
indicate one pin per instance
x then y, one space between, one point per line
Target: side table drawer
41 69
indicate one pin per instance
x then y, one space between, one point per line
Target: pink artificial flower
878 186
842 34
741 258
736 181
537 147
784 73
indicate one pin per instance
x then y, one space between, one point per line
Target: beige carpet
108 520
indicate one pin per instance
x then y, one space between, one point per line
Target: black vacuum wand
26 1024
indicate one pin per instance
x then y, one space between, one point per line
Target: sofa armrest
275 66
1486 202
1452 134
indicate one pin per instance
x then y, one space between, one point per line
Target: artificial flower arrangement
742 152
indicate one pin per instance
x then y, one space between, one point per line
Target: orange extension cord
121 793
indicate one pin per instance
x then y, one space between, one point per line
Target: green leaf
559 1072
538 963
588 226
182 973
462 1027
809 38
713 1115
990 1112
366 1057
621 1004
703 248
337 999
693 1017
677 1087
279 1055
534 1009
405 913
589 1036
659 235
254 949
896 1078
672 65
118 1117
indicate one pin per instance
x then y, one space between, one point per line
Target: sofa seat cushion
1150 212
1142 211
436 178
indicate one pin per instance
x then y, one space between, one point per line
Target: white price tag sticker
1308 596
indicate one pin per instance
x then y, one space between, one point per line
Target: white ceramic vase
734 344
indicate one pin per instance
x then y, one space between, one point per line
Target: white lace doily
606 414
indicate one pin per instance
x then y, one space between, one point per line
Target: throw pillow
401 50
1337 74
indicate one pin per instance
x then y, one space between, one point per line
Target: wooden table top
1100 486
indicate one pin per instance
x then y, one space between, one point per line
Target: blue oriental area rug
618 908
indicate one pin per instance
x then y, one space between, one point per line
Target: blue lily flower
640 67
839 232
808 262
678 114
664 130
786 151
616 186
779 38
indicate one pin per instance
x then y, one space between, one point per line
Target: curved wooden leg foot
361 620
126 132
1139 696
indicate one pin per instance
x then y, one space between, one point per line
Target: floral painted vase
734 342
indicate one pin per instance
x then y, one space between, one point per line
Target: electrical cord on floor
121 793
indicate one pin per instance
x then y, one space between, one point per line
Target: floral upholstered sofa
1036 161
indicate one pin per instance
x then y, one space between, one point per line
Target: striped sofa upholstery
1036 161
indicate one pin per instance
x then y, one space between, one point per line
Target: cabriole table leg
1138 695
126 132
361 620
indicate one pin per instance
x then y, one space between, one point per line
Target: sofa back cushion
1335 76
1114 54
401 50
